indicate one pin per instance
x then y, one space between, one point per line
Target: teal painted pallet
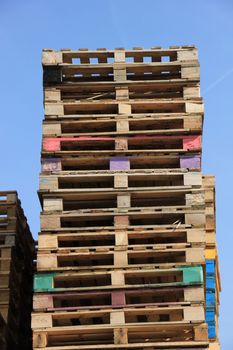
46 282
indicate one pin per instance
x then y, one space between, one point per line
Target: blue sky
27 26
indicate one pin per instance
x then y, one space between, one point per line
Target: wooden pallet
122 122
123 126
123 90
159 107
101 55
75 66
164 217
130 298
128 180
126 316
135 201
115 279
120 72
120 239
136 144
155 334
96 163
139 258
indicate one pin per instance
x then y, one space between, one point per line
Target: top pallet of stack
67 66
13 223
102 55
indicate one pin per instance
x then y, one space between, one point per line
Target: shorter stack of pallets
17 251
212 282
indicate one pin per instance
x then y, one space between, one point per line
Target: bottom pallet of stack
122 336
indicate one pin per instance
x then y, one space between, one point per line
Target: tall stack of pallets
127 220
17 252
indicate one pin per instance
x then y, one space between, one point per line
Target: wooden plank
52 204
54 108
119 56
123 201
190 72
191 107
51 95
50 57
191 92
122 93
192 178
193 122
119 74
186 345
51 129
191 54
48 182
120 181
124 108
122 125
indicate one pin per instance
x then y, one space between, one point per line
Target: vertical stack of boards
17 252
127 254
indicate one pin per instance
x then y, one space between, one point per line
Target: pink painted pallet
192 142
117 298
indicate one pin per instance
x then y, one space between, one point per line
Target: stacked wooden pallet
126 214
17 251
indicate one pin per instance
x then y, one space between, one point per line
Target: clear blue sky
27 26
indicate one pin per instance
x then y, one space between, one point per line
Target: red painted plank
192 142
54 144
